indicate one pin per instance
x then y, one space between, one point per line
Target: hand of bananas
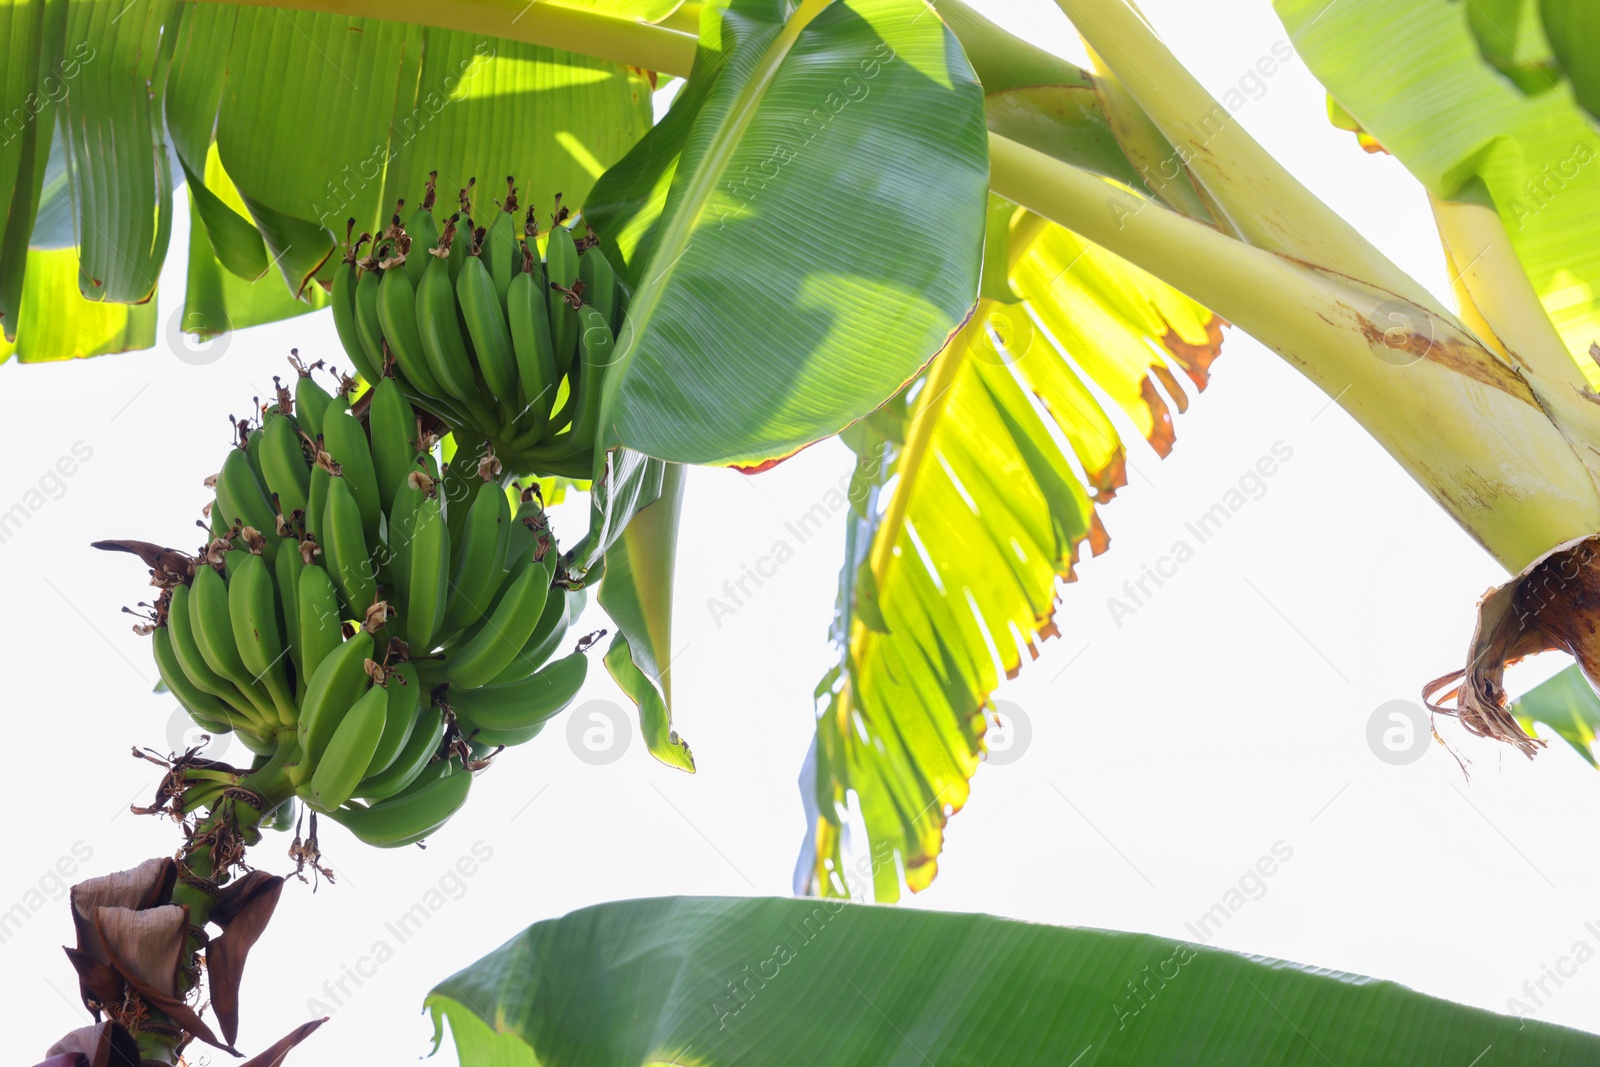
367 617
478 330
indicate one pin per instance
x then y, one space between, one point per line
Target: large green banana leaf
707 982
802 231
1566 703
1410 73
283 124
951 578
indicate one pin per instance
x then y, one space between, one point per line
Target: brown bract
105 1044
243 910
1554 604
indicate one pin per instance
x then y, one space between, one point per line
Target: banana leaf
703 982
802 231
950 580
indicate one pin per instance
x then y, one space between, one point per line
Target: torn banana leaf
966 512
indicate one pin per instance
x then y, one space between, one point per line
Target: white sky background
1167 754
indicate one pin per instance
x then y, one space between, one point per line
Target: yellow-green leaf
969 522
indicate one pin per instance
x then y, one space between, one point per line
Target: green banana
253 611
484 741
456 253
505 258
484 314
460 482
321 626
411 815
310 401
424 234
404 697
242 498
528 526
599 283
212 625
344 762
317 501
346 442
202 795
392 425
206 709
561 269
542 644
426 734
286 573
529 315
331 691
252 447
596 345
493 646
524 704
186 648
440 331
345 319
345 550
479 559
427 582
397 315
281 818
368 329
395 574
283 465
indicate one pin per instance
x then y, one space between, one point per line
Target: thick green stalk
1260 198
233 817
1462 423
1500 304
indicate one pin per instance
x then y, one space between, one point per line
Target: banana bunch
375 610
477 328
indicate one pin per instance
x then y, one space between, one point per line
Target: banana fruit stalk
334 623
471 324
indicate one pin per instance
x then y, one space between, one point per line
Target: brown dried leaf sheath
1554 604
274 1056
143 887
243 910
105 1044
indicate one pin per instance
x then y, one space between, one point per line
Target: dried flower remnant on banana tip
1553 605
